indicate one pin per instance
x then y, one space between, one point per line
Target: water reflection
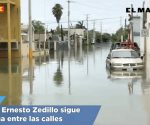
69 74
21 79
113 74
10 80
145 85
58 76
130 77
61 79
130 87
41 60
31 77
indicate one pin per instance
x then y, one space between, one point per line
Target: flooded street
80 80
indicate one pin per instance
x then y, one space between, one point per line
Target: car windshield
125 54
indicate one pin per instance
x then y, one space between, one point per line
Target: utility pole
125 21
101 30
144 27
30 31
131 22
121 29
44 36
68 24
87 19
93 32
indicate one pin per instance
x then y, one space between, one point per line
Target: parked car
124 59
125 45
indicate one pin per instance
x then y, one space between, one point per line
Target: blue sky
97 9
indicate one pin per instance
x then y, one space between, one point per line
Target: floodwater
79 78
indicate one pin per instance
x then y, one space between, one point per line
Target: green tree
120 32
58 77
114 38
98 37
57 12
38 27
106 37
80 25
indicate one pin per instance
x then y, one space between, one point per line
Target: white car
124 59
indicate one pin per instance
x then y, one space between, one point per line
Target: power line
89 20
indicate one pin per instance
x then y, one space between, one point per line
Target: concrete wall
14 22
77 31
136 29
41 37
136 24
3 25
25 49
10 32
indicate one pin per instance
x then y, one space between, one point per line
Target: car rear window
125 54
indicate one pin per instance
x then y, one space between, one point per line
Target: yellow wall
3 25
15 31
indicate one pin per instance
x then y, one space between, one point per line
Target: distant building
24 30
25 40
79 32
135 21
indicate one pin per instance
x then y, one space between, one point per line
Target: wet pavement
81 79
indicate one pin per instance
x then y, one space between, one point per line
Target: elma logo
2 99
138 10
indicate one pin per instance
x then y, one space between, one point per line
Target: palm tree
80 25
57 12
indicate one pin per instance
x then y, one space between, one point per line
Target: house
25 40
77 31
75 34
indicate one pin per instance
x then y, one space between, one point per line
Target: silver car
124 59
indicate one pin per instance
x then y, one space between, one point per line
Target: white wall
25 49
136 24
77 31
137 29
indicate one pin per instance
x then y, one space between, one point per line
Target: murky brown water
124 96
